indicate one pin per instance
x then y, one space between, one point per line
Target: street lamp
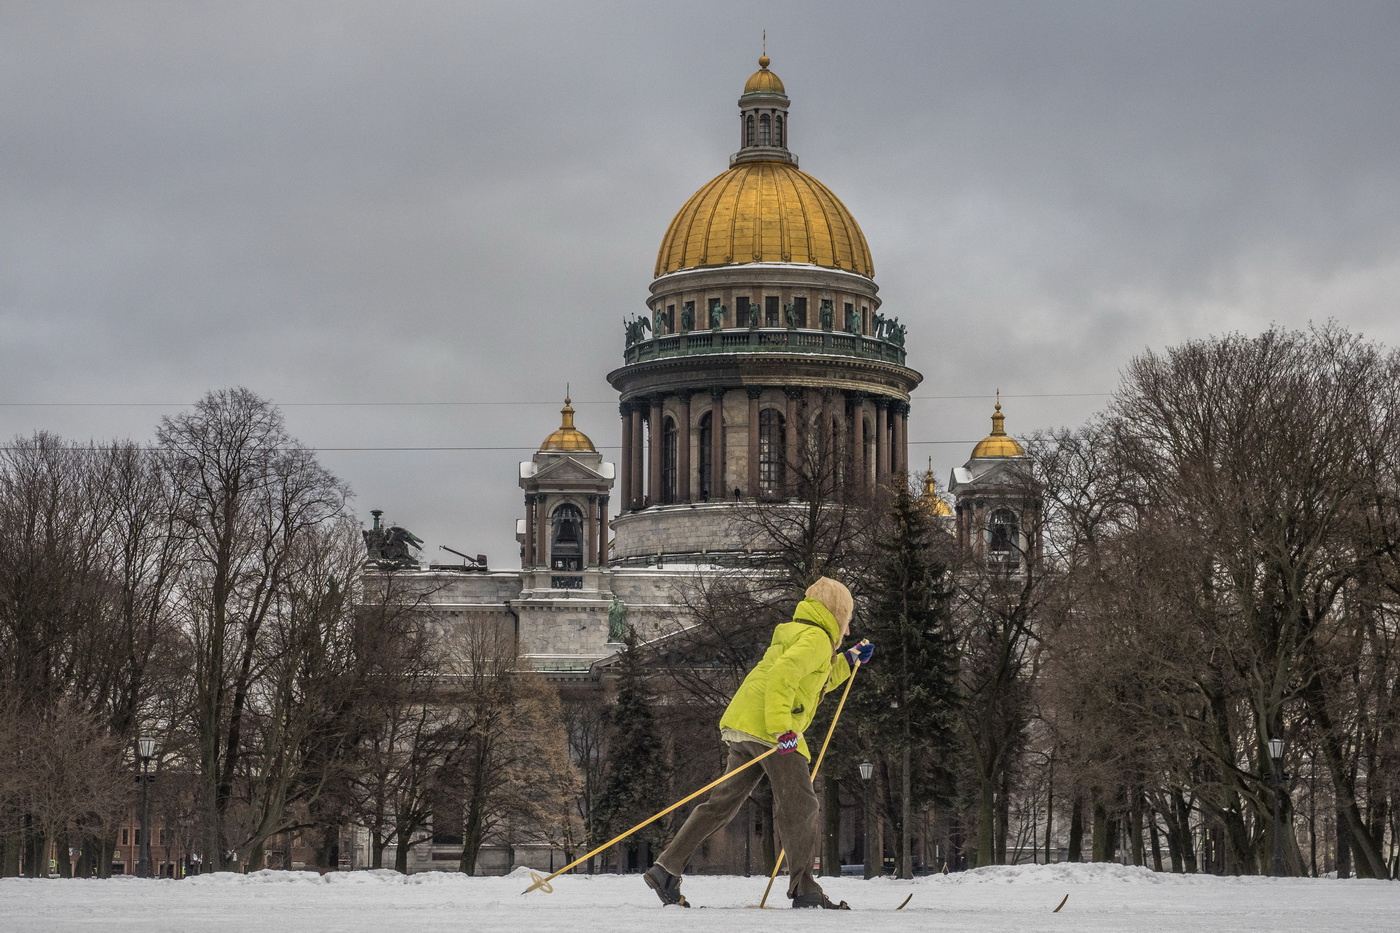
866 770
1276 753
146 750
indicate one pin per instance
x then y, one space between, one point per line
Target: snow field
1003 899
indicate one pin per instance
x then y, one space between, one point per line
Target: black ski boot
666 885
818 899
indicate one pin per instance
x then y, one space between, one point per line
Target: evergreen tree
636 779
906 704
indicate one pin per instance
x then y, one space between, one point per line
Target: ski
844 905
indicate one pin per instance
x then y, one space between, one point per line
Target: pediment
568 470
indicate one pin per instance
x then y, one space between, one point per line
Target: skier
776 701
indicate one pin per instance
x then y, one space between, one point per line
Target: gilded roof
998 443
764 212
931 501
567 437
764 80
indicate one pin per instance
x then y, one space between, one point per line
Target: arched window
778 130
1004 538
772 451
748 130
668 460
765 131
705 437
566 541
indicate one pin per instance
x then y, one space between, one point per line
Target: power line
551 403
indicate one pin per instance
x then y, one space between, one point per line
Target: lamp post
1276 754
866 770
146 749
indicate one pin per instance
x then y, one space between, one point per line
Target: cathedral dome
764 211
567 437
998 443
764 81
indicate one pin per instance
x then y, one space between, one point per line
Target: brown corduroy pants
798 821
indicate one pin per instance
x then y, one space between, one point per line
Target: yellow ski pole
544 882
815 768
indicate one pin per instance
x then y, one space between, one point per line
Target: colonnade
869 432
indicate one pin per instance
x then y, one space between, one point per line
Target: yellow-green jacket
800 666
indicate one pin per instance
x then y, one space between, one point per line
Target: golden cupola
931 501
998 443
764 209
567 438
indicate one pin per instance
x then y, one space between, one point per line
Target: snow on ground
1021 899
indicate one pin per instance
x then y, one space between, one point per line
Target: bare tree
249 493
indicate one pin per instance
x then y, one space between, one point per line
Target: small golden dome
764 212
998 443
764 80
567 437
931 501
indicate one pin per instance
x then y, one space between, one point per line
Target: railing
566 581
765 340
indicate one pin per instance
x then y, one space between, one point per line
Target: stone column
591 524
882 440
902 439
654 433
753 392
541 533
857 477
602 531
717 490
840 421
529 558
683 437
790 442
634 492
627 441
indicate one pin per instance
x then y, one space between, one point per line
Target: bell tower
563 537
997 502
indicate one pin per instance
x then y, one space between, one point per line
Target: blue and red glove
860 653
787 742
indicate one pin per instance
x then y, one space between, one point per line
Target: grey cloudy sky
456 204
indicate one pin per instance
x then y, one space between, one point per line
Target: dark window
765 132
671 319
772 451
706 462
799 307
772 314
447 825
778 130
741 310
668 460
567 550
748 131
126 837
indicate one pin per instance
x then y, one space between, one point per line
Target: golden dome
568 437
998 443
764 212
763 80
931 501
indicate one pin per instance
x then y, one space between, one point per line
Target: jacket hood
811 610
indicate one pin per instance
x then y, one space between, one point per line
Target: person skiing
772 707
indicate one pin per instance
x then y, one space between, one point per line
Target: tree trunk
831 819
986 824
1105 834
1076 830
906 828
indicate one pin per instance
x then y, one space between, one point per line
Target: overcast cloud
432 203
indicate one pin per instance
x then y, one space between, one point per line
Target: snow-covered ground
1005 900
